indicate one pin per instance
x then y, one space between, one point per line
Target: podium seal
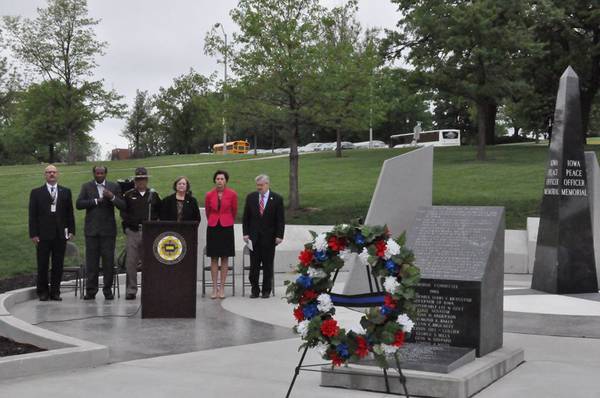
169 248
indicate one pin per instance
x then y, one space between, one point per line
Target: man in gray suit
99 198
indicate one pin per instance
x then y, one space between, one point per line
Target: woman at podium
221 204
180 206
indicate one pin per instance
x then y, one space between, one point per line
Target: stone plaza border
463 382
63 352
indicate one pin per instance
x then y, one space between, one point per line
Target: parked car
282 150
365 144
311 147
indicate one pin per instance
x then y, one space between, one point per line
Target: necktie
261 204
52 194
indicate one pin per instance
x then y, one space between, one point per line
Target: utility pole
225 94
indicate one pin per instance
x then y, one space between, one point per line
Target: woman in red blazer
221 205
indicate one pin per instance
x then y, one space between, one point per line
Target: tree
140 128
471 49
569 30
186 113
403 101
345 78
60 44
276 47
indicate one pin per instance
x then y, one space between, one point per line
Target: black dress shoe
254 295
89 296
55 297
43 297
109 296
130 296
266 295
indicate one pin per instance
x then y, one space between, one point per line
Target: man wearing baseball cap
141 204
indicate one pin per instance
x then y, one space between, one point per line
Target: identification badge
53 208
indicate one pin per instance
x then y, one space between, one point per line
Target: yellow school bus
235 147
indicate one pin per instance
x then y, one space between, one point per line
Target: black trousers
96 248
262 257
45 249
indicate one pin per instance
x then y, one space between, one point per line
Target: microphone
150 203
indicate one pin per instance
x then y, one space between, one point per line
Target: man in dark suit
99 198
51 224
263 225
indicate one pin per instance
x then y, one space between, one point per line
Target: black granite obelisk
564 257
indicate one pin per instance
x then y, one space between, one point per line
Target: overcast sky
153 41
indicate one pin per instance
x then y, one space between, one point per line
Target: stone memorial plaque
460 251
564 257
428 358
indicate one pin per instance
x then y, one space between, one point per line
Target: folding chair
209 283
246 267
77 270
372 299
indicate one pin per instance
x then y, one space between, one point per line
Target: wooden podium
169 269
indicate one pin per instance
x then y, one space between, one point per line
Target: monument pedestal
463 382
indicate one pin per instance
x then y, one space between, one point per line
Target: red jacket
229 204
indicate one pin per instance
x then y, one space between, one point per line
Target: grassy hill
332 190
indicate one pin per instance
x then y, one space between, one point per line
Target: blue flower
359 239
390 265
310 311
385 310
304 281
342 350
321 256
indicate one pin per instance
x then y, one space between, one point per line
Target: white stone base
464 382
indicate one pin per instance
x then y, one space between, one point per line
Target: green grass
332 190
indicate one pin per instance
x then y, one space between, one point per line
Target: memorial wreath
382 329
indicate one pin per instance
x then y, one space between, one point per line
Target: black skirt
220 241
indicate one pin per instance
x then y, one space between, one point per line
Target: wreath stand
374 298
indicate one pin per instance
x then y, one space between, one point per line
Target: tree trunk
338 147
136 150
587 100
516 132
481 129
70 146
490 123
294 196
50 153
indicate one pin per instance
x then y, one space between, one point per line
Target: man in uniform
141 204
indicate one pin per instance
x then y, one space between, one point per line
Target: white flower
364 256
390 284
320 243
316 272
345 255
406 322
393 249
325 303
302 328
389 349
358 329
322 348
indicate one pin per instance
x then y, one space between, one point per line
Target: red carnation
336 359
306 257
362 348
298 314
381 247
308 295
329 328
389 301
398 339
336 244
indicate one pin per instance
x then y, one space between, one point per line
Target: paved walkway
555 367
